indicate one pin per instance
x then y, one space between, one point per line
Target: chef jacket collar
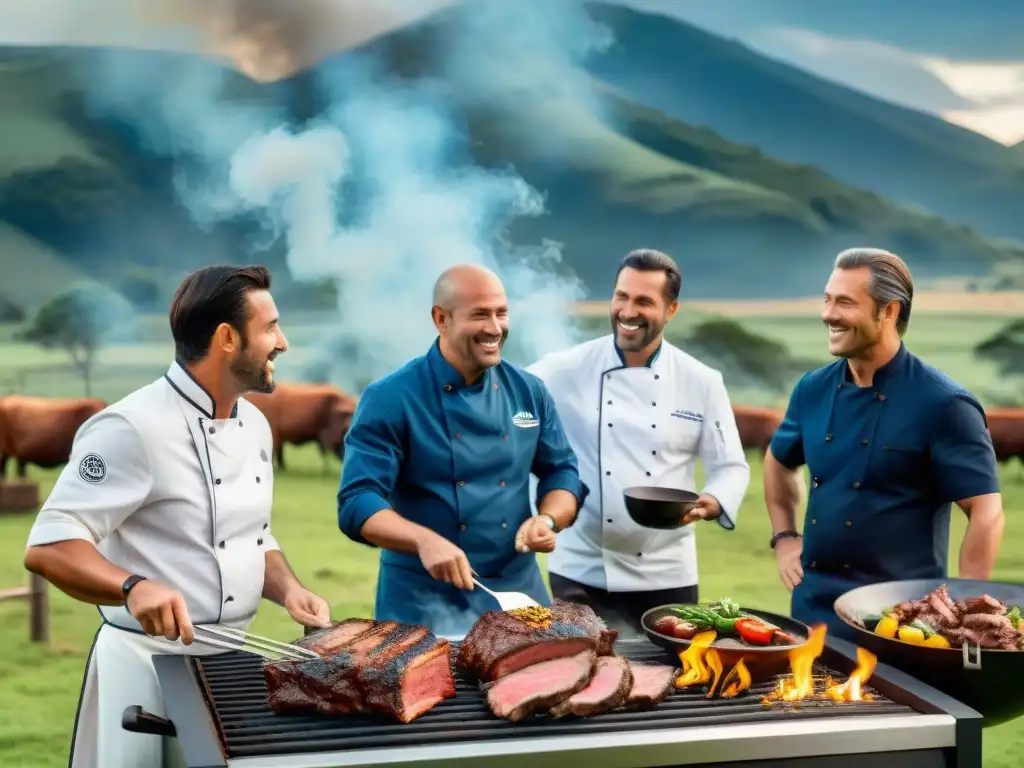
622 357
883 374
185 384
448 378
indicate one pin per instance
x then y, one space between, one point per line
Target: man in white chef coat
161 518
639 411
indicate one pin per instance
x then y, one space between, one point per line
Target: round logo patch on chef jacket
92 468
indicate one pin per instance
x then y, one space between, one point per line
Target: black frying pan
660 508
984 679
763 662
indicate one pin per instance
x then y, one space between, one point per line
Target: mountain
741 223
906 155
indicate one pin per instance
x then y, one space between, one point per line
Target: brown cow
1006 425
303 413
41 430
756 426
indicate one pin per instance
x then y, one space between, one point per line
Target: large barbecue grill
218 717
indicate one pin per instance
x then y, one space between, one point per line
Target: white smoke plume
375 193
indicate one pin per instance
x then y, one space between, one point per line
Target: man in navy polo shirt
890 443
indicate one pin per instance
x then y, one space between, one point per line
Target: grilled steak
540 686
981 620
333 638
503 642
392 669
984 604
651 685
607 690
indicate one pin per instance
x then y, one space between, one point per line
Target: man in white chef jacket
639 411
161 517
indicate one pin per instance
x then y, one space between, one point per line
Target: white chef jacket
640 426
166 491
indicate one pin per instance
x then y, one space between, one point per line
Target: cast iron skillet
660 508
984 679
763 662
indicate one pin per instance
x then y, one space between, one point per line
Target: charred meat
938 621
370 667
503 642
540 686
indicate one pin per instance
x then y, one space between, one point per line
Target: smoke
378 192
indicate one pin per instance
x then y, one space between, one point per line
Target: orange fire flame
703 665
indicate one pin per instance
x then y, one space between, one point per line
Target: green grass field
39 685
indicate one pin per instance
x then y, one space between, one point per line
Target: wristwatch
129 583
550 522
784 535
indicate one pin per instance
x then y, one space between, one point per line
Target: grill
218 716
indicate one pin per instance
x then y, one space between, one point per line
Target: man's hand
306 608
535 535
444 561
707 508
161 611
787 556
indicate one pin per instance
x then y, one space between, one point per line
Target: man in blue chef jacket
890 443
437 467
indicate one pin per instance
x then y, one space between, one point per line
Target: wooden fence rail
38 606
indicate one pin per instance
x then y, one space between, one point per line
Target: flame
735 682
851 689
695 671
803 685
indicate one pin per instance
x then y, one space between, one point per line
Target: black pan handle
138 720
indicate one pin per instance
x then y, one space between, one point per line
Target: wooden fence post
39 610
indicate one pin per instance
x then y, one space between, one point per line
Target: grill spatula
509 601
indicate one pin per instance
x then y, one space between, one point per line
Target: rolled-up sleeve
373 454
555 464
108 477
963 459
726 467
787 445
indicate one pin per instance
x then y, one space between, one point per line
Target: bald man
438 462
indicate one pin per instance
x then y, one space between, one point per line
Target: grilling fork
265 647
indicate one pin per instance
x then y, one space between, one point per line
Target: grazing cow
304 413
756 426
41 430
1006 425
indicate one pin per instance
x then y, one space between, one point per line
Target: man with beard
161 517
889 442
640 412
438 462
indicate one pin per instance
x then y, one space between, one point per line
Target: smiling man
438 462
890 443
640 412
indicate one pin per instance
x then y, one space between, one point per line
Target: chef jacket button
462 482
648 474
880 397
447 387
639 554
502 483
229 599
828 438
846 566
458 435
504 437
815 482
504 524
856 484
212 430
609 402
609 423
609 519
849 524
654 453
462 527
654 426
240 423
259 542
222 545
607 472
814 521
654 404
814 564
265 526
840 386
217 481
863 441
657 376
257 478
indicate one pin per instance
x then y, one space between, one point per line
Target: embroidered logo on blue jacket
525 419
689 416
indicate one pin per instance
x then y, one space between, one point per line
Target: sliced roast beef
983 604
607 690
397 670
503 642
652 684
540 686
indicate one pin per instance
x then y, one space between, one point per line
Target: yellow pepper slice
911 635
887 626
937 641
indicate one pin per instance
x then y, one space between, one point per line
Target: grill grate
236 695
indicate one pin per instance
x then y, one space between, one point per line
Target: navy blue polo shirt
885 463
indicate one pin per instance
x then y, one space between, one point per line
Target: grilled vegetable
754 632
911 634
887 626
937 641
726 608
1014 617
705 619
684 630
666 625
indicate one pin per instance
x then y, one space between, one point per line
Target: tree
80 321
1005 349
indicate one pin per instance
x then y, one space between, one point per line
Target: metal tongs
232 639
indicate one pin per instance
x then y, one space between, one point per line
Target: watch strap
784 535
128 584
550 521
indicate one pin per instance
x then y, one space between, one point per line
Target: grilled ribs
500 642
607 690
379 667
540 686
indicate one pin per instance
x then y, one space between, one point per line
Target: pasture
39 685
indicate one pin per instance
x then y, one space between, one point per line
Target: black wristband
784 535
129 583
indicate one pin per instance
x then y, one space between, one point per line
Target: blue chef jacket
457 459
885 463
